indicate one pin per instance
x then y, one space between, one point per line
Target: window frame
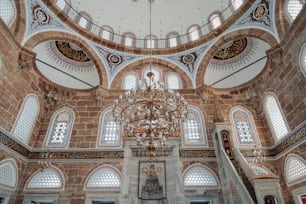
286 169
108 29
131 36
194 28
83 15
211 17
173 36
14 166
286 12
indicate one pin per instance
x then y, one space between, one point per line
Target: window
215 20
60 128
193 128
157 75
244 127
303 59
295 169
173 81
26 118
130 81
61 4
49 178
275 116
172 39
194 32
293 8
128 39
8 174
199 176
7 11
107 32
236 4
104 177
151 41
84 20
110 130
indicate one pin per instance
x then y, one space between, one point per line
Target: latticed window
26 118
244 127
130 81
173 81
198 176
83 22
128 39
275 116
7 11
47 179
105 177
237 3
215 20
61 4
293 8
107 32
295 169
8 174
110 130
192 128
60 129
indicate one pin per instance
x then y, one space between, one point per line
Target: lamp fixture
150 112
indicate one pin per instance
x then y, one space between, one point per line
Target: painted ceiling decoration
260 14
231 49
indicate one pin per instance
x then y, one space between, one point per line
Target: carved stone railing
243 163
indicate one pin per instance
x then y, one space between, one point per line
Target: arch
292 8
302 59
130 81
7 11
198 175
49 179
107 32
58 35
295 169
173 39
84 20
275 116
173 81
26 119
194 32
104 177
109 133
193 128
60 128
129 39
151 41
244 128
8 174
215 20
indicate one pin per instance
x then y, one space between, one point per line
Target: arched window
48 179
194 128
193 32
105 177
293 8
151 41
199 176
7 11
215 20
173 39
26 118
295 169
275 116
130 81
60 128
107 32
84 20
8 174
236 4
128 39
173 81
243 127
110 131
156 72
303 59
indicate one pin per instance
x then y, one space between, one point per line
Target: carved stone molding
25 58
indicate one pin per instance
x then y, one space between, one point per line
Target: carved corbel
25 58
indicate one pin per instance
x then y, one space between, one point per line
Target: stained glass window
26 118
110 130
47 179
198 176
7 11
105 177
295 169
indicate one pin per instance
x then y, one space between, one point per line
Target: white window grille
128 41
26 118
8 174
83 22
173 42
192 128
105 177
7 11
106 35
130 81
237 3
293 8
61 4
150 43
198 176
47 179
275 117
173 81
295 169
110 130
215 21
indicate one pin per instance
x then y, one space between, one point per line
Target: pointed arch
8 174
275 116
104 177
49 179
198 175
295 169
60 128
244 128
26 118
109 133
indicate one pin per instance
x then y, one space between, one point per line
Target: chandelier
150 112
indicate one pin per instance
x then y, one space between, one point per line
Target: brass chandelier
150 112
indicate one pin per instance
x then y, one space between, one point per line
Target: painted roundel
114 59
260 11
231 49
